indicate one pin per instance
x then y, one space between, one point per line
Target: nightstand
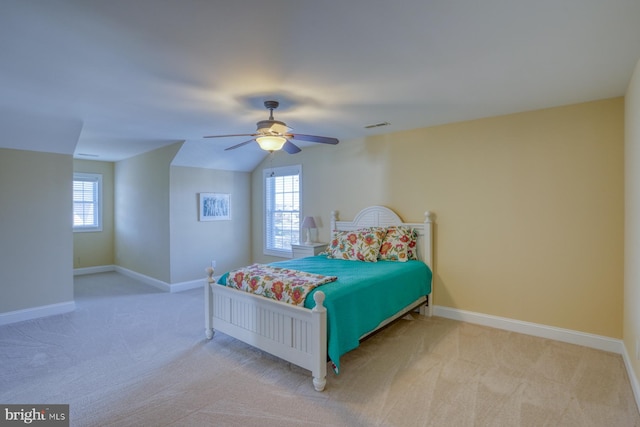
301 251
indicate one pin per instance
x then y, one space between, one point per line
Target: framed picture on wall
214 206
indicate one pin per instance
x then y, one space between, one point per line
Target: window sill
87 230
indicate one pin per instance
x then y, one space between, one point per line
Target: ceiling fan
273 135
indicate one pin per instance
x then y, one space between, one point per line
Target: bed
312 335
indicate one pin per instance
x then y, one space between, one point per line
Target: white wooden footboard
295 334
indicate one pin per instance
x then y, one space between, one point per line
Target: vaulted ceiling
127 76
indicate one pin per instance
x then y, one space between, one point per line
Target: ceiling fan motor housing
271 127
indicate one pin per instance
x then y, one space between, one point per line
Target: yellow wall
142 186
91 249
35 230
632 222
529 208
195 243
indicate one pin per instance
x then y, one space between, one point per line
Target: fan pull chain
271 154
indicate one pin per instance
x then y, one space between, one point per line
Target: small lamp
308 222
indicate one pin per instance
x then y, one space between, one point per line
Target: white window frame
96 179
270 244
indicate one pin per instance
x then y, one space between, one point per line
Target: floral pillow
413 245
358 245
399 244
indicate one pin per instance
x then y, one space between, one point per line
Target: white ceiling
141 74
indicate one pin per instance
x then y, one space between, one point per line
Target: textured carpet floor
134 356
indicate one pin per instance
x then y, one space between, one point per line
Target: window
87 200
282 188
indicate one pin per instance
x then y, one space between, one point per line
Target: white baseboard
167 287
66 307
635 386
93 270
185 286
565 335
164 286
36 312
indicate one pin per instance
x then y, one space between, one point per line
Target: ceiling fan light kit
271 143
273 135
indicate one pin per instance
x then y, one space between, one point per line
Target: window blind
282 209
86 202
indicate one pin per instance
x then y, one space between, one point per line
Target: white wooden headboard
381 216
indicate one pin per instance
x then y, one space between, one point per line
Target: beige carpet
133 356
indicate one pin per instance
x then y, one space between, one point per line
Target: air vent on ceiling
377 125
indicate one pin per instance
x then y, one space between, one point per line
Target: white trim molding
635 386
185 286
543 331
36 312
93 270
164 286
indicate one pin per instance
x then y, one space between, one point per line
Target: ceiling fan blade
314 138
291 148
227 136
239 145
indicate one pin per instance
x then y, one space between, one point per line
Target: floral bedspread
282 284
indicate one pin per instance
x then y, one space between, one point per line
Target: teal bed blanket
365 294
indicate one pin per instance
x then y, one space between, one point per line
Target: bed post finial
209 271
318 297
428 216
334 219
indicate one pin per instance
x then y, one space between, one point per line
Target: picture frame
214 206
